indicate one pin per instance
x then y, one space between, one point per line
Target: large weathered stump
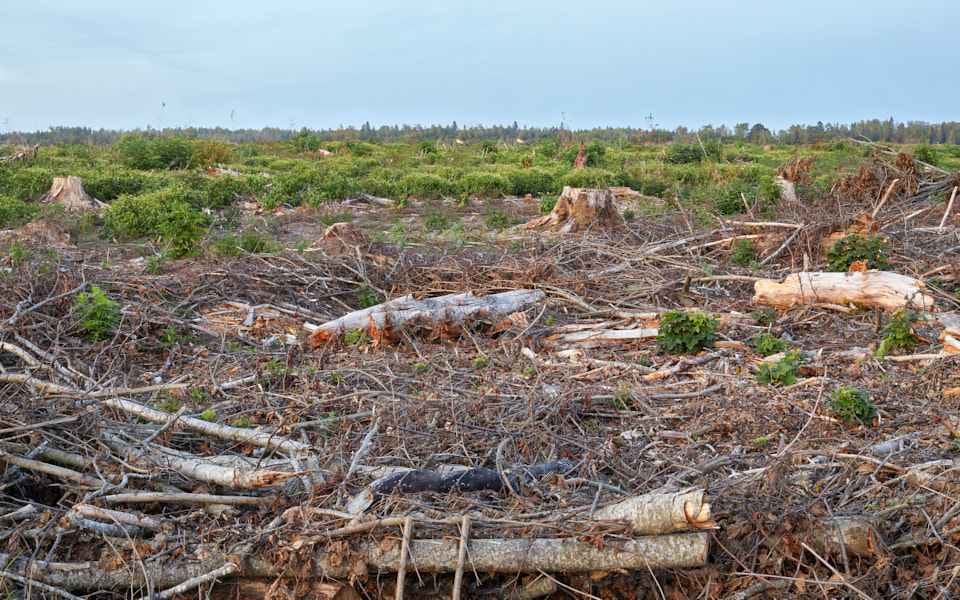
68 192
580 209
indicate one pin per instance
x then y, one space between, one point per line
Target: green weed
686 332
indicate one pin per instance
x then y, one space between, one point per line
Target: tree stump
68 192
580 209
581 160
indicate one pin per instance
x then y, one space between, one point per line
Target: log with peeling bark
443 316
198 468
579 210
523 555
869 289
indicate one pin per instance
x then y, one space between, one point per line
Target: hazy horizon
243 65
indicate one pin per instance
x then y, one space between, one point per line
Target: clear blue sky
320 64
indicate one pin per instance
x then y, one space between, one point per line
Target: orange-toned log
889 291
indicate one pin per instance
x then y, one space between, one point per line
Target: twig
461 556
227 569
182 498
404 555
358 455
31 583
884 199
783 247
946 213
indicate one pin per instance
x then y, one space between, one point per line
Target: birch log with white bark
439 316
685 550
883 289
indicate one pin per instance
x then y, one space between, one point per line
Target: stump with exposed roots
579 210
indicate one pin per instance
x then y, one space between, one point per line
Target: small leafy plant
421 368
97 315
480 362
782 372
744 254
547 203
170 405
209 416
242 422
898 333
368 296
276 369
356 337
761 442
765 317
870 249
851 404
768 344
686 332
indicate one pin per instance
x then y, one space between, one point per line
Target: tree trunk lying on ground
687 550
443 316
889 291
580 209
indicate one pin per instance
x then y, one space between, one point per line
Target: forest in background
874 130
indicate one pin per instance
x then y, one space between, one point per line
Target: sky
585 63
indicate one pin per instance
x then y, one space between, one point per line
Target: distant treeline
875 130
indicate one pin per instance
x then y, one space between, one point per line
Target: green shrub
851 404
728 200
417 184
96 315
480 182
768 344
588 178
368 296
165 212
499 219
782 372
14 213
686 332
356 337
535 182
435 220
853 248
764 317
225 191
547 203
898 332
745 253
682 154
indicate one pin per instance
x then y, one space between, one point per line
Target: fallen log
855 537
873 289
680 551
442 316
655 514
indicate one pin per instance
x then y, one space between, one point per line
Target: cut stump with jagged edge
69 193
579 210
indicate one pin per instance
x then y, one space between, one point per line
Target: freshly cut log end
579 210
869 289
68 192
856 537
656 514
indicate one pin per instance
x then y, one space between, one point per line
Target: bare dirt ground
225 335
